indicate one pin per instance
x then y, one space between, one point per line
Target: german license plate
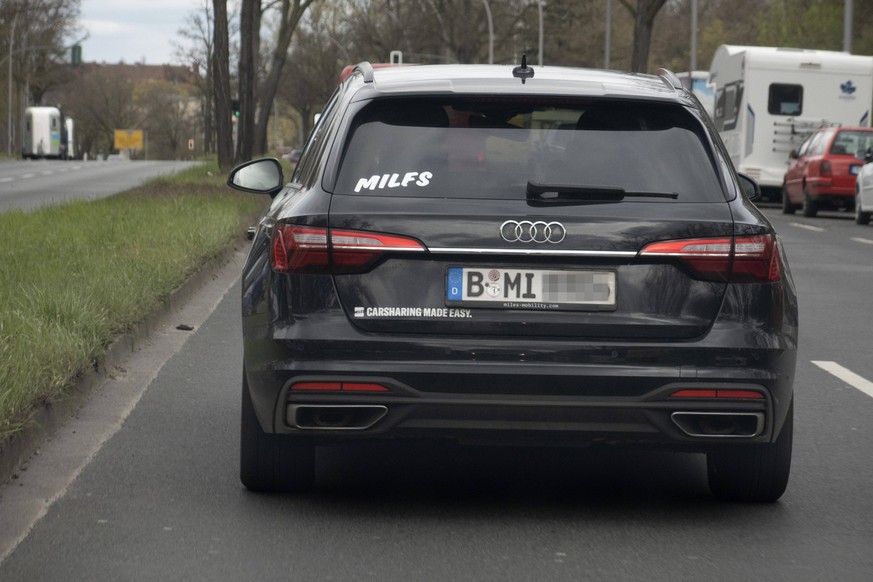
854 170
538 289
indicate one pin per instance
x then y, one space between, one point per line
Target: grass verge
74 276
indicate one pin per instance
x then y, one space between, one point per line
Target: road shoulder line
847 376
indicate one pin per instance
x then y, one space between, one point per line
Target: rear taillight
825 169
747 259
304 249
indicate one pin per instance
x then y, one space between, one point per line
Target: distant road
26 185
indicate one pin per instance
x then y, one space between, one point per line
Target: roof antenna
523 72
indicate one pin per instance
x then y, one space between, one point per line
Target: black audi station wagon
492 254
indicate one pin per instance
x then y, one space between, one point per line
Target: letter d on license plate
530 288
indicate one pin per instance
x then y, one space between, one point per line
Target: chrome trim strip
344 247
544 252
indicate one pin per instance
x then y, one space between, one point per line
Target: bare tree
644 12
198 53
221 85
41 28
102 100
290 13
319 52
35 31
170 117
250 42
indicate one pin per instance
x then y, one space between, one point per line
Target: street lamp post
540 6
848 9
608 34
9 101
693 35
490 32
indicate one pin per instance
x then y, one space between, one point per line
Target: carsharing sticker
412 312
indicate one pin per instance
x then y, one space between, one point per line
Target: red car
823 171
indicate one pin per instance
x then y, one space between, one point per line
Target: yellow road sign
128 139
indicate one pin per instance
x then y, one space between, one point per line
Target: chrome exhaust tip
334 416
720 424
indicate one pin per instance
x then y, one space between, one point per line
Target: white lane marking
807 226
847 376
50 172
866 241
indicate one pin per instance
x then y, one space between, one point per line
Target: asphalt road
26 185
160 500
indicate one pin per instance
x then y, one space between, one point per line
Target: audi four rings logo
527 231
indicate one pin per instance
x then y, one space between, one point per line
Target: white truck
45 133
769 99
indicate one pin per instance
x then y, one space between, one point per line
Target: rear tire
809 208
272 463
753 472
787 206
860 217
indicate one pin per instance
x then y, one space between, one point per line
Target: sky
134 31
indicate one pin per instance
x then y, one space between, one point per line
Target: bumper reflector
719 393
338 387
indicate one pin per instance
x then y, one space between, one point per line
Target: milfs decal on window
394 181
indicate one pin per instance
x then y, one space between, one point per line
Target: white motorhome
768 100
45 133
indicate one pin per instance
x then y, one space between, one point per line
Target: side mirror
793 154
750 188
263 176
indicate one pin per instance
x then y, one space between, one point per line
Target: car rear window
852 143
490 148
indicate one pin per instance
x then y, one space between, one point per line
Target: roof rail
366 69
670 79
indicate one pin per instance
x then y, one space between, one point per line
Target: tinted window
491 148
727 106
785 99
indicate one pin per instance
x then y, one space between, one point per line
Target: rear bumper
846 201
566 421
578 396
827 189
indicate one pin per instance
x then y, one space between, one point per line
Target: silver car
864 190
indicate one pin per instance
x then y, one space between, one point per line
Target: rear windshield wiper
568 194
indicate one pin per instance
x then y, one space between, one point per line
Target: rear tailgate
471 280
531 213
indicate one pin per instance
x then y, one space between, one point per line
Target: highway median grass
75 276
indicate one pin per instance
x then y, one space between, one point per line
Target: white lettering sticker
412 312
378 182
